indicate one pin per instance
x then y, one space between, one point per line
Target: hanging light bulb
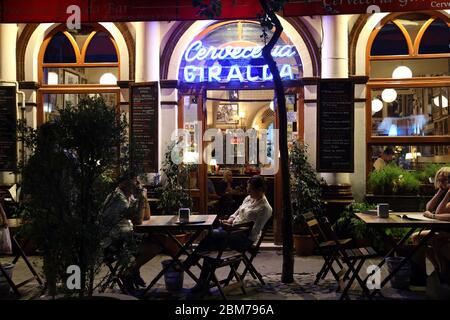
52 78
389 95
402 72
377 105
437 101
108 78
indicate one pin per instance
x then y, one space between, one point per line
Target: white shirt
379 164
256 211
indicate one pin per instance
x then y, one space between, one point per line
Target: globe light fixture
377 105
52 78
440 99
402 72
108 78
389 95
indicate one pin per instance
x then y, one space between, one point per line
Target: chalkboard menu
8 119
144 125
335 126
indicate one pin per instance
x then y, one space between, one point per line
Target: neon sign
234 63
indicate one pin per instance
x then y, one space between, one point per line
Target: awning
38 11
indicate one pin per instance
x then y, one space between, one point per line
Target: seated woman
255 208
438 208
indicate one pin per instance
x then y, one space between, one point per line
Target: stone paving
268 262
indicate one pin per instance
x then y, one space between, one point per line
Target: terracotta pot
304 245
172 246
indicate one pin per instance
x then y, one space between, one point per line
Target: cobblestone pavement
269 263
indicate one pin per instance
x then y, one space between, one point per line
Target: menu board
335 126
8 126
144 125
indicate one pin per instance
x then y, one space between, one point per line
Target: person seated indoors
386 157
255 208
438 208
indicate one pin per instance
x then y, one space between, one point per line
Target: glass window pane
389 41
413 22
101 49
191 124
417 158
71 76
410 112
436 38
55 102
60 50
419 67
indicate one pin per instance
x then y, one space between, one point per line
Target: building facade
210 73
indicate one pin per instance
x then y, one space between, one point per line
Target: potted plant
396 186
65 181
306 193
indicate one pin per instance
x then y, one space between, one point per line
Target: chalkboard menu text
8 119
144 125
335 126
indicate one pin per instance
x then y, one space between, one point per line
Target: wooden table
402 220
168 225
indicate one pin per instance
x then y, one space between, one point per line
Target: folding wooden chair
220 258
249 256
354 260
111 260
325 245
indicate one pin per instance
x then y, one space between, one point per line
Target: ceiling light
389 95
402 72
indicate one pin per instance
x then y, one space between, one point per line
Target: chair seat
358 253
332 243
226 255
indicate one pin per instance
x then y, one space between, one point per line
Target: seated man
255 208
128 202
385 158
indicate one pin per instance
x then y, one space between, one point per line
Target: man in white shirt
255 208
384 159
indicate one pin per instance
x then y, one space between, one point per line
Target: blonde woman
438 208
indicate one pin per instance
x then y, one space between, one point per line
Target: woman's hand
428 214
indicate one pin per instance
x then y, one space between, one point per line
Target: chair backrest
263 234
313 226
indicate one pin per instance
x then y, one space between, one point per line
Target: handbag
5 241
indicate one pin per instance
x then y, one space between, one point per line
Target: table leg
27 262
175 260
406 259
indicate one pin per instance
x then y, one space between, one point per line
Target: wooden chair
111 260
325 245
249 256
353 259
220 258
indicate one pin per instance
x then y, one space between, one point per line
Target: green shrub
393 180
427 174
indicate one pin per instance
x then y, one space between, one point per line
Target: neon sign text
197 51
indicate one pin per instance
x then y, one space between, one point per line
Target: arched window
408 64
74 64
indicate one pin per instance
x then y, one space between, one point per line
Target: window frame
415 82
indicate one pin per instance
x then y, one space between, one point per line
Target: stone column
335 65
8 38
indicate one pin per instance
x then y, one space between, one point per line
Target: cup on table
183 215
383 210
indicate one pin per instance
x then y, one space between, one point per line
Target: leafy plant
65 181
174 189
427 174
306 187
393 180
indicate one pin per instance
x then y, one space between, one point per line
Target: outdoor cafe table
167 224
412 220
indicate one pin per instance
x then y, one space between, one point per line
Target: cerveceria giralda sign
232 53
13 11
